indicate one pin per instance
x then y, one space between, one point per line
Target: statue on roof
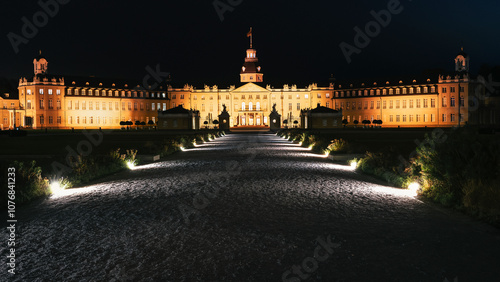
274 107
224 109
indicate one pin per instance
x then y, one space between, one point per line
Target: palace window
41 104
40 91
452 89
398 118
397 104
418 103
391 104
452 101
433 118
443 89
97 104
404 104
404 118
426 89
70 107
360 105
42 120
384 92
411 104
243 106
444 101
398 91
50 91
462 101
412 90
411 118
418 118
372 104
91 106
258 106
328 104
51 119
378 91
290 106
384 105
391 91
452 117
58 104
319 96
418 90
391 118
433 103
405 91
378 104
59 120
327 95
135 106
51 106
84 107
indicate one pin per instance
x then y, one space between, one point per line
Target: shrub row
458 170
32 183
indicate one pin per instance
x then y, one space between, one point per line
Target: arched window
258 106
243 106
250 106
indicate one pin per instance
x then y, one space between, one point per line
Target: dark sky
297 42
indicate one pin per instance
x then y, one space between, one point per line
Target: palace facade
56 101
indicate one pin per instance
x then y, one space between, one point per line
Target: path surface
249 208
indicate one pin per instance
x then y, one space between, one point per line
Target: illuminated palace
51 101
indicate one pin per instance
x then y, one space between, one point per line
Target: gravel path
248 207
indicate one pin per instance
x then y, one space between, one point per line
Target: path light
300 144
57 187
414 187
183 149
131 165
311 147
354 164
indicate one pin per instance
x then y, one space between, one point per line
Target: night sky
297 42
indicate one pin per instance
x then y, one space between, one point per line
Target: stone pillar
224 120
274 120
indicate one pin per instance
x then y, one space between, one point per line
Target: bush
384 166
30 185
451 169
482 197
338 145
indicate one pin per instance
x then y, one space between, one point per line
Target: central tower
251 71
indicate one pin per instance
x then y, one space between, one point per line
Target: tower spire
249 34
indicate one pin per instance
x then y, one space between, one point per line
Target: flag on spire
249 33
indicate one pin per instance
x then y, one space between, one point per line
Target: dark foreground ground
248 207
